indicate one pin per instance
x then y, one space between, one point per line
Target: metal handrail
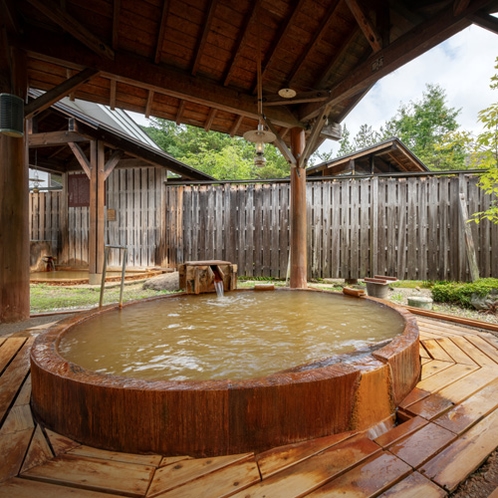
104 269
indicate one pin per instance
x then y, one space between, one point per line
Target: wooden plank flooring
449 427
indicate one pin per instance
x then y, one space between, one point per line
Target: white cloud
462 66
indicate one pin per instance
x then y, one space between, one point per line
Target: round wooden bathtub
218 417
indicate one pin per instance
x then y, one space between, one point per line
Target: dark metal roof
57 157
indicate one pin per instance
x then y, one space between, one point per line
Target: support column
14 200
96 236
298 229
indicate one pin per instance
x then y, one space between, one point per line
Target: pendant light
260 136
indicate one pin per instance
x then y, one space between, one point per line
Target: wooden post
14 200
469 241
96 236
298 244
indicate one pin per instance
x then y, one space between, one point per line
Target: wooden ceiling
195 61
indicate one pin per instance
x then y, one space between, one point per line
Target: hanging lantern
260 136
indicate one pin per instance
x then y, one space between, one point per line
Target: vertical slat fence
408 227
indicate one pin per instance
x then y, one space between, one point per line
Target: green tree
366 137
486 156
217 154
346 147
424 126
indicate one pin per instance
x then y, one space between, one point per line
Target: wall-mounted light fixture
11 115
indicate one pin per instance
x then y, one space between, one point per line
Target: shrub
461 293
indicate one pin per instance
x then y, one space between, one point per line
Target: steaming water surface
240 336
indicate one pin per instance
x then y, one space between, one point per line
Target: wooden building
62 142
390 156
289 67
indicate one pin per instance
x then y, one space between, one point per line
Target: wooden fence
408 227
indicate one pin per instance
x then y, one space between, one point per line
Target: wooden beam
205 32
112 162
54 138
210 119
250 18
365 25
459 6
10 16
72 26
69 75
409 46
236 125
281 35
316 39
137 71
51 166
148 105
314 136
82 159
162 31
116 11
303 98
137 149
330 69
298 228
485 21
281 145
112 96
179 112
48 98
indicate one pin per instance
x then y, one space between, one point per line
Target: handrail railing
107 248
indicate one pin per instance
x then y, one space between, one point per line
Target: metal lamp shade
11 115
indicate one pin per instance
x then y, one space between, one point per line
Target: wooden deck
449 425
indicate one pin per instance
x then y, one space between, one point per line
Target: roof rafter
459 6
236 125
112 97
137 71
116 11
10 14
339 55
241 40
162 31
72 26
485 21
205 32
365 25
58 92
210 119
284 28
416 42
317 37
179 112
148 105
